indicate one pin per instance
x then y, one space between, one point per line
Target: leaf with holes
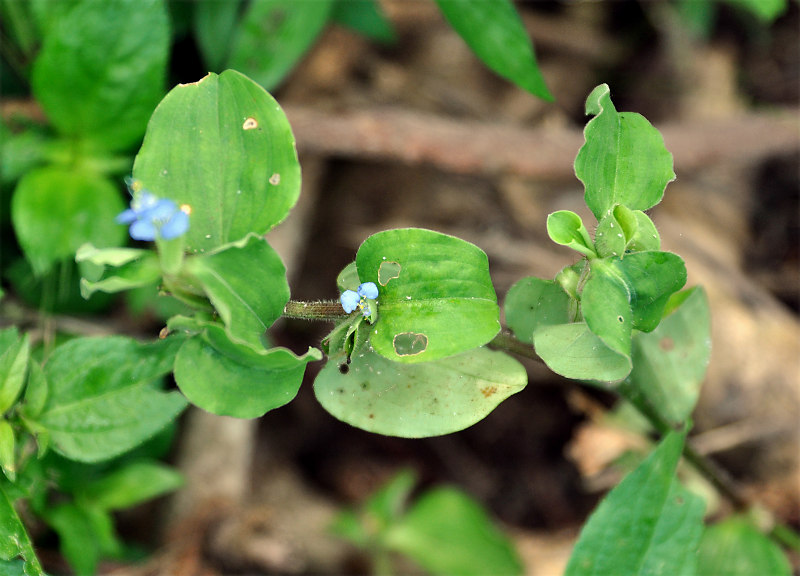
435 295
224 147
417 400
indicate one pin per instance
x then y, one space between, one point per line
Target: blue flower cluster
150 216
352 300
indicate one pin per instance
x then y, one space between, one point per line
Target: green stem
505 341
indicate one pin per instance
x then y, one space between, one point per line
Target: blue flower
351 300
150 216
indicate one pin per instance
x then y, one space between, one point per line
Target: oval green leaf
575 352
495 33
605 304
101 70
436 297
246 283
735 547
274 35
236 381
624 160
533 302
103 396
670 362
56 210
224 147
651 278
417 400
447 532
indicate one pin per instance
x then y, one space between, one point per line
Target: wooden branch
471 147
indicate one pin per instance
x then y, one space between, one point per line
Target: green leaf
646 236
365 17
273 35
224 378
616 231
20 153
532 303
651 278
417 400
734 547
35 391
214 25
224 147
697 17
648 524
348 278
13 369
101 70
103 396
765 10
14 540
116 269
605 304
85 534
56 210
496 34
574 351
670 362
383 509
623 161
436 297
130 485
246 283
566 228
8 460
447 532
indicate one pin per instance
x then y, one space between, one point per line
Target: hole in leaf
344 368
409 343
620 319
388 271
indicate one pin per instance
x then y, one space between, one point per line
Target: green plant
417 349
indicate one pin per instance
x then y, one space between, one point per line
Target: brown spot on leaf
488 391
667 344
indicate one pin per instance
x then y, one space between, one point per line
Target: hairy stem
330 310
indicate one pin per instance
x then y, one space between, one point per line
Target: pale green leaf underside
417 400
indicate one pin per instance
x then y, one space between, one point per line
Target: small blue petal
126 217
143 230
368 290
160 212
176 226
350 300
